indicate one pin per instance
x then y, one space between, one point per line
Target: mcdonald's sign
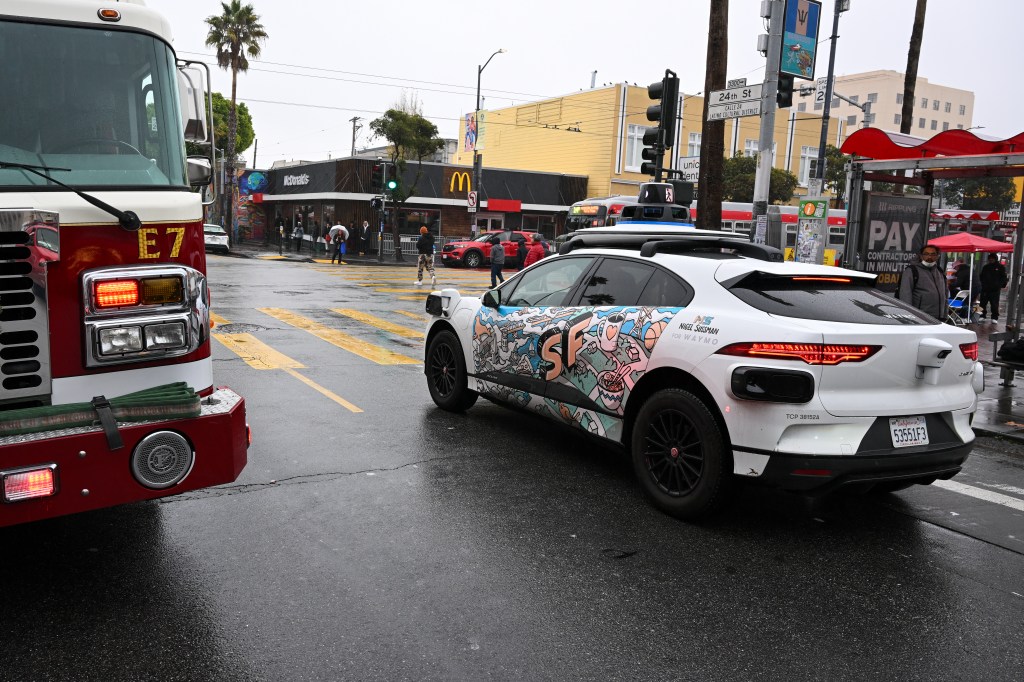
458 182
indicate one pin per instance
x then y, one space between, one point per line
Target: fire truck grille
162 459
24 333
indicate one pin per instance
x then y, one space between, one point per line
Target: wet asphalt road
405 543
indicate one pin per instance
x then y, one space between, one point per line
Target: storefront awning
960 214
873 143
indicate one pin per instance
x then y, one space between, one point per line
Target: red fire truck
106 379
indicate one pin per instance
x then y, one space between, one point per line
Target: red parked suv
476 252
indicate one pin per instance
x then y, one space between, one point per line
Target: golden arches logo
462 177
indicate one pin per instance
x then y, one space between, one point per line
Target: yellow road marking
380 323
259 355
333 396
425 290
256 354
273 257
410 298
415 316
381 356
217 319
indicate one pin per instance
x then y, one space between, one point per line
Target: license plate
908 431
444 256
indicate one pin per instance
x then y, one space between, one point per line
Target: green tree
738 181
835 172
992 194
236 34
244 133
411 138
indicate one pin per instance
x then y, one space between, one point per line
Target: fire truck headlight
118 340
162 336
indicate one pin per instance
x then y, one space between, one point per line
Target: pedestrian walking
297 235
497 263
425 249
536 251
521 248
923 285
993 279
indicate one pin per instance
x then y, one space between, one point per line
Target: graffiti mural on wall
250 220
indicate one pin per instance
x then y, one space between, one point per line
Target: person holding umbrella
337 235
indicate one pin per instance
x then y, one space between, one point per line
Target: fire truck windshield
101 103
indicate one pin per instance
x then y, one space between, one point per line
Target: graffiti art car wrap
579 364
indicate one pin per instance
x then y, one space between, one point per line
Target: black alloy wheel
446 373
679 454
473 259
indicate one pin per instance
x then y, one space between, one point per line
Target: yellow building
599 132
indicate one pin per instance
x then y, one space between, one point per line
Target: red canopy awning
873 143
965 242
962 214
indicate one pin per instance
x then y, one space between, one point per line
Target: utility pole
769 93
355 128
255 147
840 7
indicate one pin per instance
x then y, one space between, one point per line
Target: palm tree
913 56
712 139
236 34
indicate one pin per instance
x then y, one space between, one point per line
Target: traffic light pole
762 179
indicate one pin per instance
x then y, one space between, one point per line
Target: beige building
598 133
937 107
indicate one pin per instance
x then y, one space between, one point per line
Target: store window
411 219
544 224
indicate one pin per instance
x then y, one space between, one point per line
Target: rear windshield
829 302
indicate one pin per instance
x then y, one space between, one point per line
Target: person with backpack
993 279
923 285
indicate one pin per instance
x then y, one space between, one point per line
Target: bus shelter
883 157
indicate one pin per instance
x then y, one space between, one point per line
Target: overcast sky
327 61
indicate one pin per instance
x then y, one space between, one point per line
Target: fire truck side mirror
193 99
199 171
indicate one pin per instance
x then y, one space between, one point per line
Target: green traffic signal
392 184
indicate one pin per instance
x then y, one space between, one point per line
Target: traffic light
379 174
785 94
392 184
657 140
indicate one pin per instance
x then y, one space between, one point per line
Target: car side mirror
492 299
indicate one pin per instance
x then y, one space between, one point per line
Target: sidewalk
270 252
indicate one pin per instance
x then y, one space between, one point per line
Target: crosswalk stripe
425 290
410 298
320 389
370 352
982 494
217 319
255 353
415 316
379 322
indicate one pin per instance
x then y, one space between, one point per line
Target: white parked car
710 359
216 238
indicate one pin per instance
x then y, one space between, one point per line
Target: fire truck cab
106 381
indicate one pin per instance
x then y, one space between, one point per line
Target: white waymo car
709 358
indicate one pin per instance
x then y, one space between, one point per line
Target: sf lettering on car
571 339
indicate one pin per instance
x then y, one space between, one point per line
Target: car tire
446 373
679 455
473 259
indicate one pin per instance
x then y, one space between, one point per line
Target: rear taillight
970 350
116 293
615 209
811 353
28 484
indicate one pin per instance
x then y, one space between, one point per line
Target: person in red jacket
535 253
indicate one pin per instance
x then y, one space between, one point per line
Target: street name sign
718 112
744 93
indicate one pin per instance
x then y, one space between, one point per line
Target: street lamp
477 159
840 7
